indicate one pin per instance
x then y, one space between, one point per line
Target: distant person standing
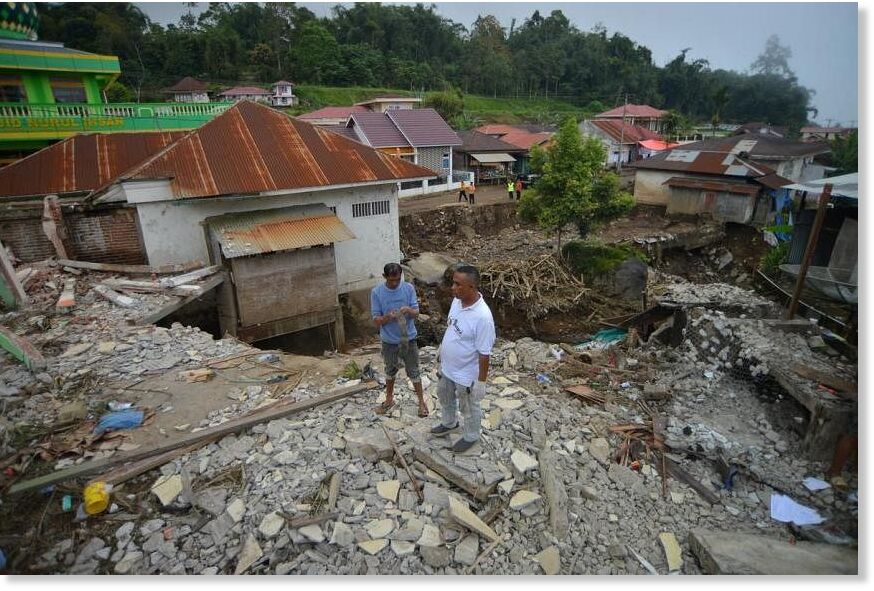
464 359
462 192
510 187
518 188
394 308
471 193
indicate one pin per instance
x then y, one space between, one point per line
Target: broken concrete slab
402 548
467 550
599 449
373 547
430 536
369 444
342 535
522 499
673 553
435 557
556 494
464 516
730 553
271 524
312 532
522 461
388 489
250 554
549 560
379 528
167 488
460 478
236 509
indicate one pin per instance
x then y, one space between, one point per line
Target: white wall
172 230
649 188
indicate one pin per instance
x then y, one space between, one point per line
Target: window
446 160
68 90
12 90
360 210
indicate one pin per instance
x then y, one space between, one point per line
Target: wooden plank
178 280
116 298
677 473
478 491
21 349
128 471
132 269
53 225
208 285
275 412
406 467
11 289
832 381
297 323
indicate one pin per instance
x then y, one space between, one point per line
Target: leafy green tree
262 59
316 57
573 187
774 60
845 153
448 103
117 92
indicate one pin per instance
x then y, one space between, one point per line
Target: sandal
423 412
384 408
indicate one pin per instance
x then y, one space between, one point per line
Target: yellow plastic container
96 497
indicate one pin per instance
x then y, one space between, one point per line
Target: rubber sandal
423 412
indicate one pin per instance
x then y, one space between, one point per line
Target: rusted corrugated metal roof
272 230
705 185
625 132
636 111
687 159
80 163
251 148
333 112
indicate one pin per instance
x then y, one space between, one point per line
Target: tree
316 57
720 99
774 60
448 103
845 153
573 187
262 59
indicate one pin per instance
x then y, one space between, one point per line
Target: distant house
381 104
420 136
521 137
622 141
283 94
824 134
640 115
332 115
188 90
762 129
696 178
486 156
247 93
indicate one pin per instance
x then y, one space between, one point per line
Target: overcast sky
823 37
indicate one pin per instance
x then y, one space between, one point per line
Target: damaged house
266 192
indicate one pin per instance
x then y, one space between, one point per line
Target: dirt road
485 195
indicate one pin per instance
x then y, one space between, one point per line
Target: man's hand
479 390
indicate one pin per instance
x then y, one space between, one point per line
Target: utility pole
622 136
811 246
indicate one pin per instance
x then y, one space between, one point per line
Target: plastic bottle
96 497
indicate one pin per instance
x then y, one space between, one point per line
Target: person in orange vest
510 187
518 188
471 193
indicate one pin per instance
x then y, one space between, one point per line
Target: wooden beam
812 240
115 297
178 280
53 225
405 466
275 412
478 491
208 285
829 380
11 289
132 269
21 349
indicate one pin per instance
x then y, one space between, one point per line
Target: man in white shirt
464 359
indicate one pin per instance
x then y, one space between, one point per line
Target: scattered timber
132 269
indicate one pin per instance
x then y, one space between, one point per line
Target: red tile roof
244 90
251 148
520 138
424 127
187 84
626 132
636 111
333 112
80 163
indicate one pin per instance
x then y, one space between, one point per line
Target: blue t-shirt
383 300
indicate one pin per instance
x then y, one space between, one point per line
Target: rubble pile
716 296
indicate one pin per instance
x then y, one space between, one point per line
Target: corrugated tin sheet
474 141
691 158
83 162
626 132
272 230
333 112
492 158
251 148
705 185
424 127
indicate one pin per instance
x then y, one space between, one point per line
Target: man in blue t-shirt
394 307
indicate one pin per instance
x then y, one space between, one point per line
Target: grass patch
591 259
774 258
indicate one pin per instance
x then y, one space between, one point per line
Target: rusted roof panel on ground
273 230
705 185
251 148
81 163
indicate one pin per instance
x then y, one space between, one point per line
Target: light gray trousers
454 397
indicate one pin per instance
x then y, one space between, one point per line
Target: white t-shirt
470 332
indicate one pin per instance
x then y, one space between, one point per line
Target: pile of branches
536 286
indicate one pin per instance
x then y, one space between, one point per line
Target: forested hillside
414 48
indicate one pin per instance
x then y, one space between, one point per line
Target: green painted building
49 92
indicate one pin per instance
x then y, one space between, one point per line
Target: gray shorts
391 355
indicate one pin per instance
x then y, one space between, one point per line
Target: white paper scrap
788 511
815 484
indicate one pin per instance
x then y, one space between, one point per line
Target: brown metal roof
687 159
82 162
690 183
251 148
272 230
636 111
379 130
188 84
424 127
333 112
474 141
625 132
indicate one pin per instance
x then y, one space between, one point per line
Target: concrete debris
673 554
464 516
249 555
549 560
388 489
373 547
522 499
167 488
312 532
